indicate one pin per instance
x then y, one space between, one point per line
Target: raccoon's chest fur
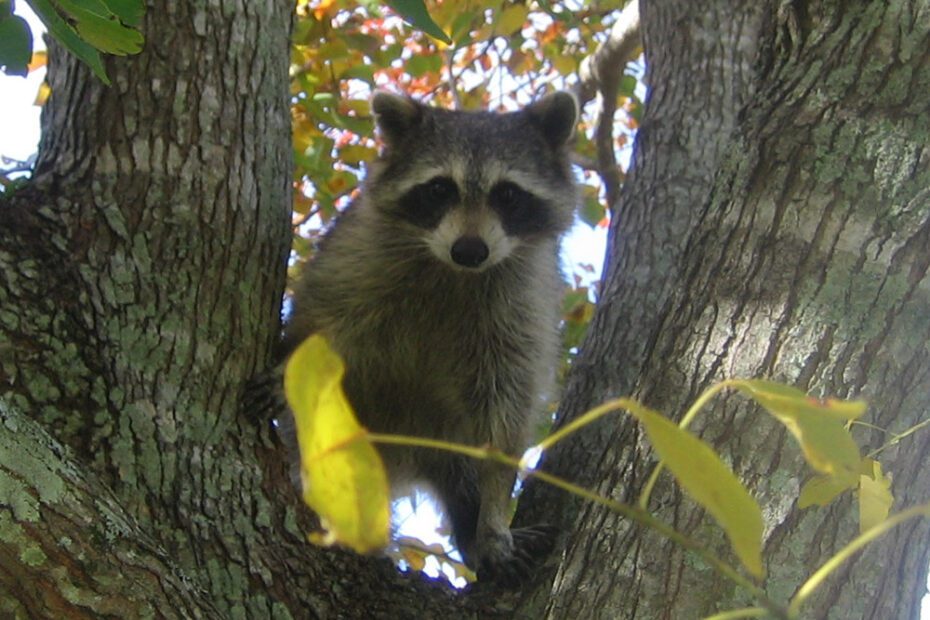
458 356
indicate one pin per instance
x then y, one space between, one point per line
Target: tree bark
141 276
807 263
699 59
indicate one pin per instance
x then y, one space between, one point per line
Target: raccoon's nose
469 251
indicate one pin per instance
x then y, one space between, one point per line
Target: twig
601 73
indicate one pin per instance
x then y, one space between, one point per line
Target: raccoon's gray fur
440 288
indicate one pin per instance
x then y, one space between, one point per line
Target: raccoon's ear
555 115
395 115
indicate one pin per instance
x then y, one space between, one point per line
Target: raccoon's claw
535 541
262 397
528 547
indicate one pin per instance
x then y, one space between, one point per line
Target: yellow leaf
444 13
460 570
702 474
416 558
43 93
305 134
818 425
343 477
39 60
770 392
321 8
300 204
512 18
565 65
361 107
875 497
356 153
820 490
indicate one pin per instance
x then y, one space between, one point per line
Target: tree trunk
141 275
807 263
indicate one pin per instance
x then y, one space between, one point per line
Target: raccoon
440 288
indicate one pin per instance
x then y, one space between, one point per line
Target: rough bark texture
776 223
699 60
141 275
807 264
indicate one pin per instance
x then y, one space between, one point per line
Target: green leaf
818 426
414 13
564 63
344 479
627 86
101 28
704 477
592 211
420 64
67 36
366 73
461 28
130 12
15 45
577 312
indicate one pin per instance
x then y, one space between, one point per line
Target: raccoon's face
477 224
475 186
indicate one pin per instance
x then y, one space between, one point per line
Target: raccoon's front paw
509 557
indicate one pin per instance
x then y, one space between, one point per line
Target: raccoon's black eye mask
521 212
426 203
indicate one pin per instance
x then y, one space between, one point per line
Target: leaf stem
745 612
631 512
898 437
642 517
809 586
600 411
424 442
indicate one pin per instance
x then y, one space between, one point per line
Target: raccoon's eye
426 203
521 212
441 188
509 196
507 193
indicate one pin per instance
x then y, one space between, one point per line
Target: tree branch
600 73
67 548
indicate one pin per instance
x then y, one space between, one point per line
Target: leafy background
482 54
499 55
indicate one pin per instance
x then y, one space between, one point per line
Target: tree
774 223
